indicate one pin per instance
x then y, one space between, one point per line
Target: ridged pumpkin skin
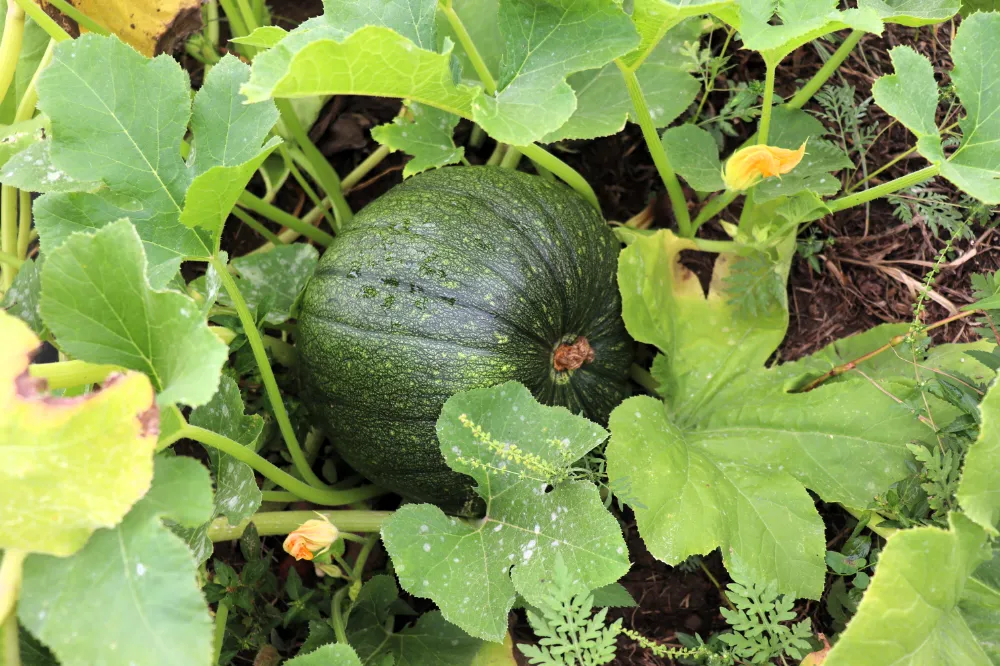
460 278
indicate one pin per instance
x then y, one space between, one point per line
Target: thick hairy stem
563 171
767 104
267 375
44 21
323 496
272 523
8 234
328 178
677 201
470 48
814 84
885 189
279 216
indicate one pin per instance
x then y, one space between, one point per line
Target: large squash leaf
935 599
603 104
130 596
71 465
911 93
431 639
391 53
118 120
97 301
519 453
979 488
725 460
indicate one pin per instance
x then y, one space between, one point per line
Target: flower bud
328 569
749 165
311 538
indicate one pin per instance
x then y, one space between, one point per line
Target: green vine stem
278 216
874 524
363 169
304 184
10 260
11 571
29 100
249 220
511 158
563 171
643 378
280 496
10 45
337 614
678 203
496 157
11 654
221 617
23 224
470 48
533 152
10 580
274 523
885 189
328 178
267 375
323 496
249 18
8 234
81 19
236 24
715 205
814 84
767 103
44 21
717 246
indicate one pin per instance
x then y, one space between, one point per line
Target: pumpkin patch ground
488 332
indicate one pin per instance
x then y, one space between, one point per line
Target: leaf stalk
267 375
678 203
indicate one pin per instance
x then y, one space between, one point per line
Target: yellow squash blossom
311 538
748 166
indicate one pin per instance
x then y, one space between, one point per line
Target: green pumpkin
459 278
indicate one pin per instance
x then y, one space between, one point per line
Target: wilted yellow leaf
151 26
68 466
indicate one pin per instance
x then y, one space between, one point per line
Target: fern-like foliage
840 109
569 632
943 215
939 475
762 622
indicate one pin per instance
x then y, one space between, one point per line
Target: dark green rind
459 278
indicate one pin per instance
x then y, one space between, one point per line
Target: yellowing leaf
150 26
70 465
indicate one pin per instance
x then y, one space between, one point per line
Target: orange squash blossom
311 538
746 167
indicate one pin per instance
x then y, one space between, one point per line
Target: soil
868 274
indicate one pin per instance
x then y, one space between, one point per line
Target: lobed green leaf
97 301
138 578
930 602
519 453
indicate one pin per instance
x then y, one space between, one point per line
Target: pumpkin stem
571 357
